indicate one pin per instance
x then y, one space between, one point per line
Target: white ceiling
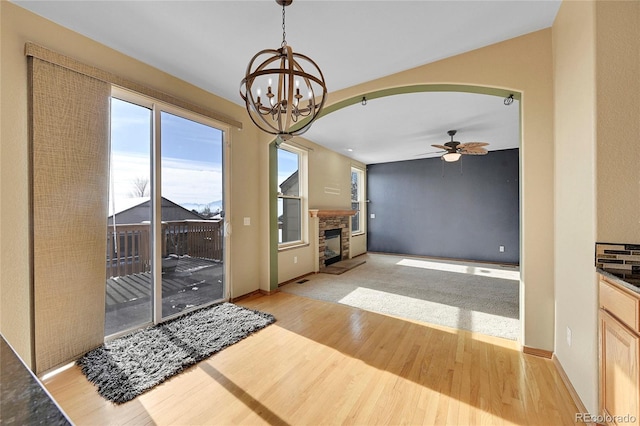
209 43
403 127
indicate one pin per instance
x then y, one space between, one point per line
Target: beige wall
15 312
596 48
618 122
249 254
0 163
329 179
329 188
575 208
358 243
523 64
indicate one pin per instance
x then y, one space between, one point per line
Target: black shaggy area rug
128 366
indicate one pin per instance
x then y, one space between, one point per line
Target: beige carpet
483 298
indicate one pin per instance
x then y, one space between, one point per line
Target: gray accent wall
463 210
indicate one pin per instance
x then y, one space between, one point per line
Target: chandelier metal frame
283 114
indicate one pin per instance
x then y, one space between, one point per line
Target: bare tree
140 187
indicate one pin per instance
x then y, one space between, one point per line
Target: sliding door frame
157 107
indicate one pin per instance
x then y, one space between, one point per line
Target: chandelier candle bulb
298 95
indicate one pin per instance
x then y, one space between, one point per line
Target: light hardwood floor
325 363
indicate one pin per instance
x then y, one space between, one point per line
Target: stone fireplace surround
322 220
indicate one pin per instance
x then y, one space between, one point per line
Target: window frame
360 200
302 195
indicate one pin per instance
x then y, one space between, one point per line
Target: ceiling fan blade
477 151
441 147
472 145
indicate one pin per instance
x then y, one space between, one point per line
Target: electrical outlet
568 336
295 259
247 221
373 215
501 249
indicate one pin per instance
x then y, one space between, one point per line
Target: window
357 200
291 195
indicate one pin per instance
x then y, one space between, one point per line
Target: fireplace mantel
331 213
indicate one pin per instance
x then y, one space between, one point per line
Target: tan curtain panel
69 135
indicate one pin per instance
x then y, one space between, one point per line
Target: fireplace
333 246
323 224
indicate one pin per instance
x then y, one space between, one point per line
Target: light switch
373 215
247 221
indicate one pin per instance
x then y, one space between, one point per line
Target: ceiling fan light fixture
451 157
453 150
292 93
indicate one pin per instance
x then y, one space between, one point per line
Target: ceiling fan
454 149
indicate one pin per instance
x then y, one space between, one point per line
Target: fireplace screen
333 246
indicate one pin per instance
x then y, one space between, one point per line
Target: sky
191 166
287 165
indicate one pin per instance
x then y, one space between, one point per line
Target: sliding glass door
192 214
129 281
165 252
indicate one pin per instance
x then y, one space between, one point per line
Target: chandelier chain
284 32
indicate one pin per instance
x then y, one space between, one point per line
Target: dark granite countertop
622 277
23 399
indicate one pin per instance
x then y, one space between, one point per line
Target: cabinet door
619 369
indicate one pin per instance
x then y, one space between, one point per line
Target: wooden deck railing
128 246
128 250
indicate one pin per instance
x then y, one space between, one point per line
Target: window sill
358 234
292 247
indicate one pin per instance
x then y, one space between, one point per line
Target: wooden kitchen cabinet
619 341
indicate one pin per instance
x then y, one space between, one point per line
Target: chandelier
293 97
